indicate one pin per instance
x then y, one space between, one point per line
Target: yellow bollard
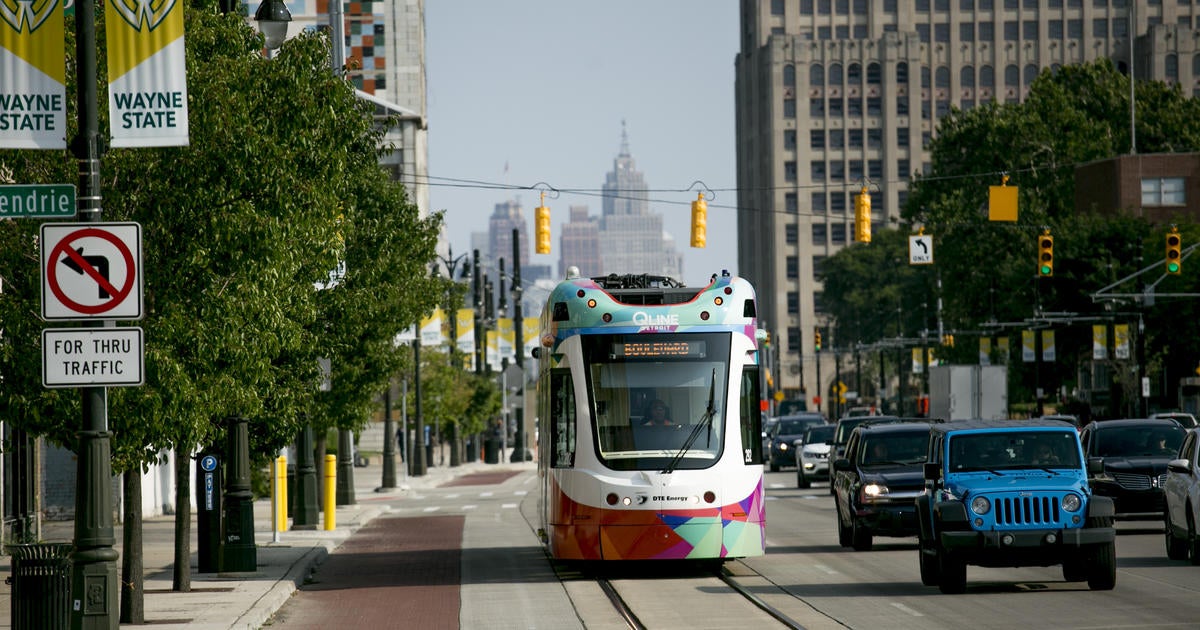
330 492
281 518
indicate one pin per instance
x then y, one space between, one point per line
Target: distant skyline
533 94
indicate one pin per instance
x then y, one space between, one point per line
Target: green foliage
280 183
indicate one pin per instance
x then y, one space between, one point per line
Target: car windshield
794 426
908 447
819 434
1009 450
1137 441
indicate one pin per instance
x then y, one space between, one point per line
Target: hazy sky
536 90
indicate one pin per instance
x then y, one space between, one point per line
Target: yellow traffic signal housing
1045 255
862 216
817 339
699 221
541 217
1174 258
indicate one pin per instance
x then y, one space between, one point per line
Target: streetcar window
562 417
751 416
629 375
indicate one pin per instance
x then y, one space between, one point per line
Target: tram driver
658 416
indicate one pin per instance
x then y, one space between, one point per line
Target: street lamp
451 263
273 18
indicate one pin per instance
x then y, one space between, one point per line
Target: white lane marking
906 609
469 507
452 496
771 498
486 494
776 485
825 569
432 509
521 493
508 506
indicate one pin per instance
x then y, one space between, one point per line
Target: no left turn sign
91 271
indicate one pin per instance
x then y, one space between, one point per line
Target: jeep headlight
1071 503
981 505
872 492
783 446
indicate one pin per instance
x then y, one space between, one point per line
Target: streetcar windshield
650 391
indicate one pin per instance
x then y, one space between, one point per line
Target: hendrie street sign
37 201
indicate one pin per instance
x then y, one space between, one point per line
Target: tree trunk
181 579
133 605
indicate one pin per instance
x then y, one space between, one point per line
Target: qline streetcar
621 480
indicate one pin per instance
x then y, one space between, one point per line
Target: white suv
812 458
1181 489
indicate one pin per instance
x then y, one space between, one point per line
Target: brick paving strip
393 573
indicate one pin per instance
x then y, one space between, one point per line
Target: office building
631 236
832 95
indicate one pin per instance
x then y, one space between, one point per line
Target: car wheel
860 536
1074 568
801 480
927 555
1177 548
1102 572
1193 545
774 466
844 534
952 573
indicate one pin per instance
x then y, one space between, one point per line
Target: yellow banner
431 329
1099 341
1028 353
147 77
985 351
33 68
1121 341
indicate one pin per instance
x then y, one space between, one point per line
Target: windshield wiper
705 421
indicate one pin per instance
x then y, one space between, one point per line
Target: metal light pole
389 441
417 448
451 263
93 560
520 452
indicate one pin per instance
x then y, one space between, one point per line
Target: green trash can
41 586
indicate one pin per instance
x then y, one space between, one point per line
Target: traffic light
1174 259
541 216
1045 255
699 221
862 216
817 339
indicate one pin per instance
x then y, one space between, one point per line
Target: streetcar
649 443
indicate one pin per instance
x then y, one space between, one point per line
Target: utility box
961 392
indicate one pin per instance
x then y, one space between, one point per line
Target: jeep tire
860 536
844 533
1102 567
952 573
927 555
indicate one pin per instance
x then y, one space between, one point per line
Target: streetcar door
751 417
562 418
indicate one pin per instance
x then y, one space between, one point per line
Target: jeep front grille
1034 510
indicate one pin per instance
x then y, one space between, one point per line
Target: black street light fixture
451 263
273 18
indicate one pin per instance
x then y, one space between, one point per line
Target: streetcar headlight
980 505
1071 503
626 501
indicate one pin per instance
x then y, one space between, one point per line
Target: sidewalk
247 601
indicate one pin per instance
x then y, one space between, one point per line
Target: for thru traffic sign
86 357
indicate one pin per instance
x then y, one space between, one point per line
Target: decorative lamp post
451 262
273 18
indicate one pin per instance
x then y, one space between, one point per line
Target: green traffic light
1173 267
1046 270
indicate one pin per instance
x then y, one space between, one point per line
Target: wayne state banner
33 69
147 78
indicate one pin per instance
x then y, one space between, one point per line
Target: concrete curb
265 607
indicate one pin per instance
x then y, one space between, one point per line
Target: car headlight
1071 503
981 505
783 446
874 491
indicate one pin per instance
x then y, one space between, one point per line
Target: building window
854 107
856 170
1012 76
1162 191
791 203
873 74
791 234
926 110
816 75
818 203
793 337
793 302
837 202
837 171
1011 32
966 76
1075 29
874 106
860 31
923 32
926 139
853 74
789 76
789 139
789 171
793 267
1171 68
837 234
966 31
854 138
837 139
816 138
926 77
903 168
1030 28
816 107
875 169
1119 29
1196 66
818 170
987 31
901 105
835 74
1031 72
943 77
806 7
843 32
943 108
823 7
874 138
902 73
776 7
1056 29
941 32
987 77
818 234
1100 28
789 108
902 137
836 106
818 263
824 33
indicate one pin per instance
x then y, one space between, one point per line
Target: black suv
876 482
1133 455
786 434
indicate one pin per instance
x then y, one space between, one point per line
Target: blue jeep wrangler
1011 493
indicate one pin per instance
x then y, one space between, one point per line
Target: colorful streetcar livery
648 407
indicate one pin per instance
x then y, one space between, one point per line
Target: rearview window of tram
629 375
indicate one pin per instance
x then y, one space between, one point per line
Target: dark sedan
1133 455
787 434
876 483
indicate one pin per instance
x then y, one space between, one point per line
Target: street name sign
91 271
37 201
88 357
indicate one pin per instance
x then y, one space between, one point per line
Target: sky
532 94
